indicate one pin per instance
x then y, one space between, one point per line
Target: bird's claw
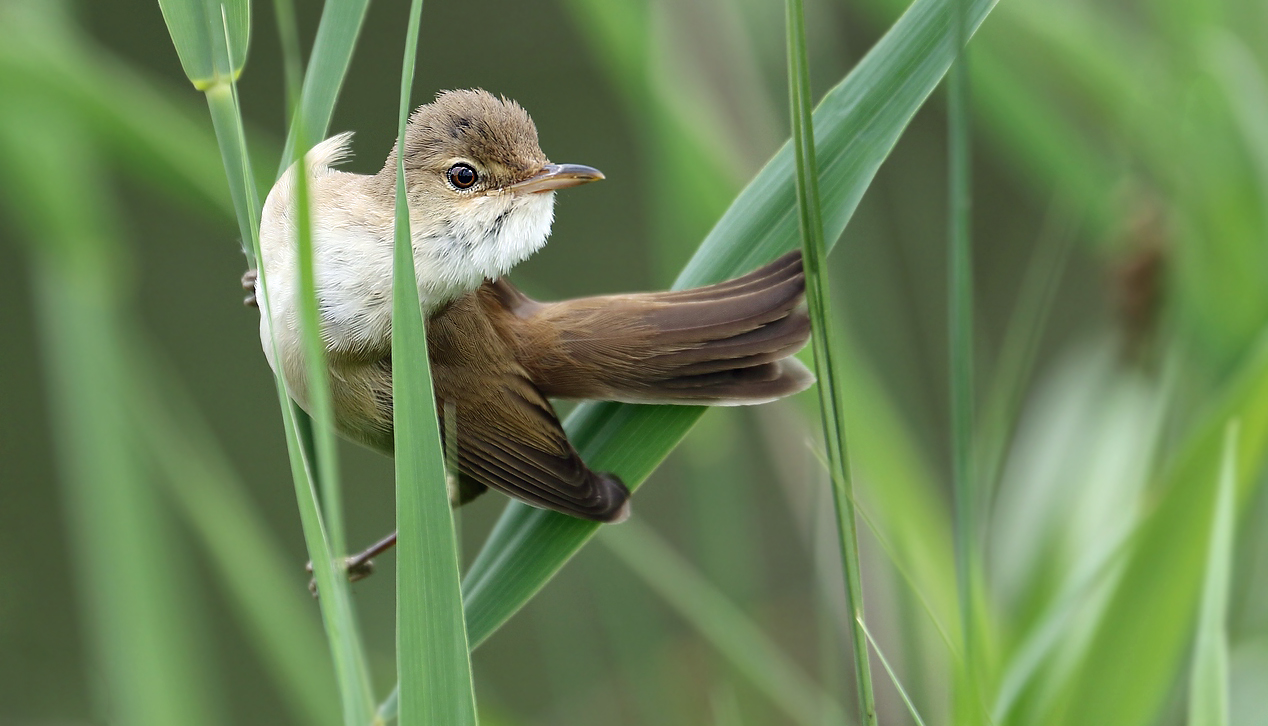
355 568
248 283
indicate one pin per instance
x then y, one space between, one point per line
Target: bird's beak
557 176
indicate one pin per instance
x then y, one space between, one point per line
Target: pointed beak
557 176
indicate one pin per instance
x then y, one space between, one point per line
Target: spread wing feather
506 434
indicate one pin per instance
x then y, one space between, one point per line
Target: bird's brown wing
510 439
501 430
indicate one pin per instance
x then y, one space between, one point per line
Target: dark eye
462 176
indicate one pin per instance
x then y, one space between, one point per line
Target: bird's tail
724 344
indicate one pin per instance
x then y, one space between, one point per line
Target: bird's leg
248 284
360 565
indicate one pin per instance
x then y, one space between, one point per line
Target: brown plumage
498 355
480 194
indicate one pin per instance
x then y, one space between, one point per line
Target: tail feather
723 344
786 266
767 343
720 316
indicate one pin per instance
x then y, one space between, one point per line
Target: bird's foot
358 566
248 284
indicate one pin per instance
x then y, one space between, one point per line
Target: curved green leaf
856 126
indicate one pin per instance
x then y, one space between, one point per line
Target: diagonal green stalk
893 677
325 509
432 655
814 256
960 322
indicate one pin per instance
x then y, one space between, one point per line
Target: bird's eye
462 176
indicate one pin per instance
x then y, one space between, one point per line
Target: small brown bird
481 196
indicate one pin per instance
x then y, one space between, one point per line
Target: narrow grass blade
432 656
321 502
725 707
337 35
815 255
723 624
327 564
325 467
893 677
211 39
636 636
1032 653
1209 681
856 125
137 608
964 484
897 562
389 709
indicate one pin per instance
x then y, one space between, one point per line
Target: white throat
493 234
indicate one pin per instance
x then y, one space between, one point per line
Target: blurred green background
1120 157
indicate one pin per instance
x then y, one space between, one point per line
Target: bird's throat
482 239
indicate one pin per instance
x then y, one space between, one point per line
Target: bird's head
475 171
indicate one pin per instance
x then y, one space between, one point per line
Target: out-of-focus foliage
1131 138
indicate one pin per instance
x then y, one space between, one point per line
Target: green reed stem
328 568
815 254
960 322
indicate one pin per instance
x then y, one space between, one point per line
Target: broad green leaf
199 29
433 659
856 125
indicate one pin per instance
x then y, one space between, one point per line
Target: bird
480 193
